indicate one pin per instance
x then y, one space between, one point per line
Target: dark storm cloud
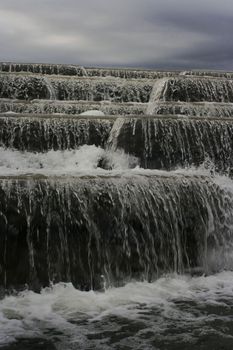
150 33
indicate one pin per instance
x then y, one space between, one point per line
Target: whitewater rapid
173 309
86 160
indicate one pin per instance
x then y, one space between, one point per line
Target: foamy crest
89 160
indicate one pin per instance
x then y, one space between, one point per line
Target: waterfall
75 70
84 71
114 134
116 229
195 89
201 109
48 69
190 89
22 87
57 133
73 88
122 228
99 199
170 142
204 73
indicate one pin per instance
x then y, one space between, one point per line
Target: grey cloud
150 33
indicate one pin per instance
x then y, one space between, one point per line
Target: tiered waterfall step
32 86
70 107
76 70
159 142
136 224
40 133
168 142
193 89
66 69
78 229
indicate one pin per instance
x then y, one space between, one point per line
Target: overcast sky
140 33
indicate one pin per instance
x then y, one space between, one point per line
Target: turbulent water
87 160
175 312
168 142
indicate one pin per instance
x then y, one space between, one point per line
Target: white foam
93 112
30 314
10 112
84 160
87 160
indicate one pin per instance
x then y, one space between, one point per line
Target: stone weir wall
101 227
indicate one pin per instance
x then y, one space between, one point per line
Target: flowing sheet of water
70 88
97 205
173 312
9 106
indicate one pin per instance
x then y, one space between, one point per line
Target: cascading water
28 87
201 109
116 230
167 142
58 132
158 93
72 70
196 89
71 107
136 227
190 89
